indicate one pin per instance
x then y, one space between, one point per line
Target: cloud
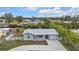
2 13
30 8
8 8
55 10
73 11
51 12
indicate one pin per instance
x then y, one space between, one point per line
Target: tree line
10 17
74 24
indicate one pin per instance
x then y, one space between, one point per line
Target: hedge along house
40 34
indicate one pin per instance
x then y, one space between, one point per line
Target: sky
40 11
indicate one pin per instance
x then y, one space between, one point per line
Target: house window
28 36
40 35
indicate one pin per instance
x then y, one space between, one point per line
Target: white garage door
53 37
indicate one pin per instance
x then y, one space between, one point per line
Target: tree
19 18
8 16
33 18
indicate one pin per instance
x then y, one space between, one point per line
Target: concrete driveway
53 45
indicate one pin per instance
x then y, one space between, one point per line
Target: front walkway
53 45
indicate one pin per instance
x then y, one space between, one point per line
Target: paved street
53 45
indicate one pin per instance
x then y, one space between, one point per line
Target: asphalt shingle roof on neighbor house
41 31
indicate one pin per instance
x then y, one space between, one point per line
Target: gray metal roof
26 20
41 31
4 29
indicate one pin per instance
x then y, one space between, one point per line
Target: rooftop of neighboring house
38 20
75 31
41 31
4 29
26 20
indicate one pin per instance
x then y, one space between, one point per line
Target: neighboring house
37 21
5 32
75 31
26 21
40 34
67 21
2 21
54 20
61 21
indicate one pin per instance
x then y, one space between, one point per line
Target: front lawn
12 44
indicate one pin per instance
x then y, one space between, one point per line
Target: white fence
11 37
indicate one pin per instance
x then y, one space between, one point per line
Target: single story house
40 34
26 21
37 21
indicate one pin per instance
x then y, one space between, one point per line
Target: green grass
69 48
5 46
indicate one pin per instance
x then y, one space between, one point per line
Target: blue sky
39 11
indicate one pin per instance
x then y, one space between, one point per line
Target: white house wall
32 37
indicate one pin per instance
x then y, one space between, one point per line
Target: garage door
53 37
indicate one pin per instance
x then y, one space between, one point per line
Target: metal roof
26 20
4 29
41 31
